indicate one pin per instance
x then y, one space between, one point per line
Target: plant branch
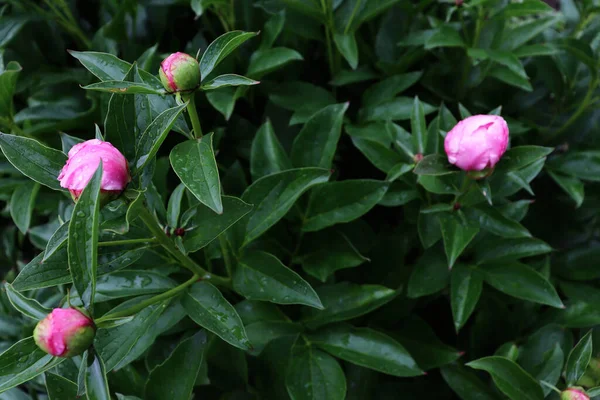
191 108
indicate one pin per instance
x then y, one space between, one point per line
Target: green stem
191 108
148 302
168 244
124 242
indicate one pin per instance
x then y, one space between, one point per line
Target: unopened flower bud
179 72
477 142
82 163
574 393
65 332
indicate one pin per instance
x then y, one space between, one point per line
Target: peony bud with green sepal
65 332
179 72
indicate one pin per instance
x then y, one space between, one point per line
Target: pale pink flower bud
65 332
477 142
83 161
574 393
179 72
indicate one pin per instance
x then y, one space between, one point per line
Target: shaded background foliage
523 286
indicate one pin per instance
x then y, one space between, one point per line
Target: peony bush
299 199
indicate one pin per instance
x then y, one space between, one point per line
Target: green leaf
418 126
505 58
22 362
228 80
389 88
521 281
572 186
22 202
175 378
510 77
510 378
511 249
267 154
271 30
83 239
346 45
524 32
338 202
584 165
397 109
154 135
313 374
316 143
34 160
203 225
490 219
368 348
206 306
223 100
29 307
445 36
262 333
552 368
465 289
578 359
261 276
105 66
123 87
273 196
263 62
116 344
121 123
174 206
466 384
536 49
60 388
194 163
430 275
345 301
521 156
434 165
95 379
525 8
378 154
457 234
8 85
220 48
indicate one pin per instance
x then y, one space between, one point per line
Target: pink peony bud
179 72
65 332
477 142
574 393
82 163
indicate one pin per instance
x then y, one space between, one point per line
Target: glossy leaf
123 87
466 285
273 196
83 240
346 45
261 276
194 162
368 348
60 388
34 160
154 135
267 154
29 307
510 378
418 127
338 202
105 66
457 234
313 374
206 306
466 384
203 225
511 249
345 301
263 62
521 281
316 143
228 80
578 359
572 186
175 378
96 381
434 165
22 202
221 48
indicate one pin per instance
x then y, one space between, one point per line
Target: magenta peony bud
179 72
65 332
477 142
574 393
82 163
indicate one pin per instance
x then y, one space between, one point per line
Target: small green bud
180 72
